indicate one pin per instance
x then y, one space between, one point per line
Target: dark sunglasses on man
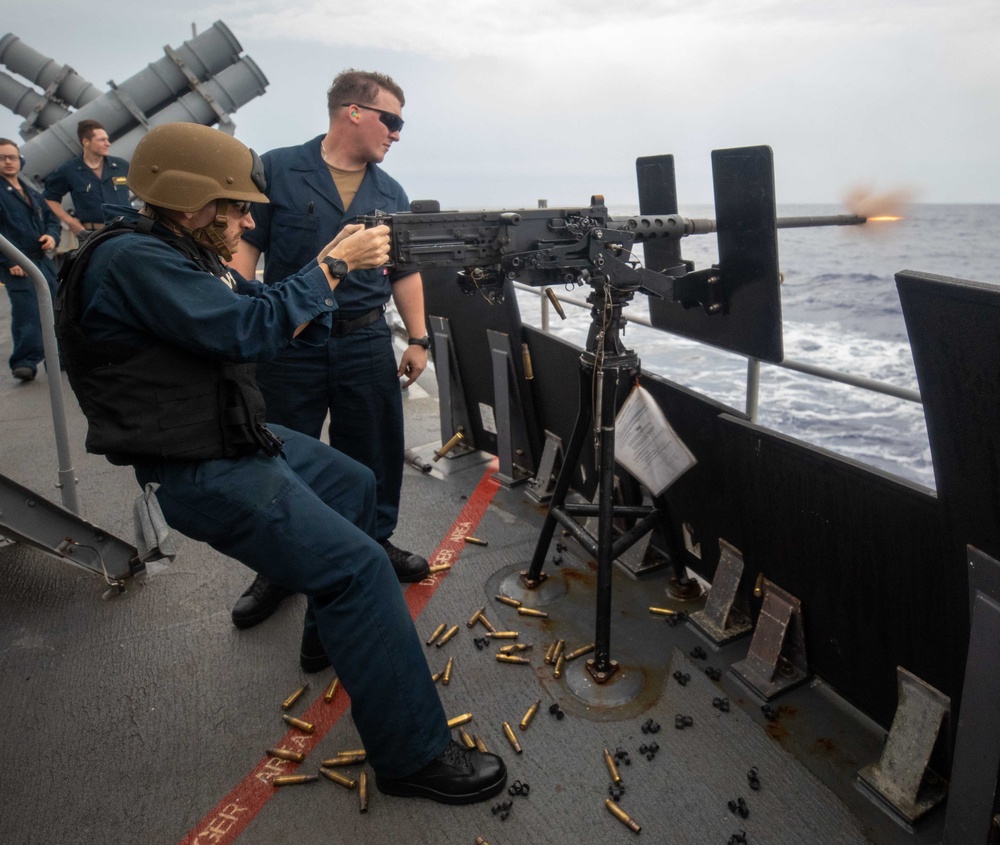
393 122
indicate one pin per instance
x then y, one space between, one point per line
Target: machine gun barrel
647 227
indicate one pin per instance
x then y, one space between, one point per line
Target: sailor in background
25 220
314 189
160 339
92 180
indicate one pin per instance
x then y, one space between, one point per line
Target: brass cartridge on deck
438 631
621 815
609 761
513 648
557 653
549 652
451 444
290 780
530 611
285 754
459 720
512 658
486 623
467 740
295 696
560 665
337 777
509 733
481 841
437 676
446 678
331 690
475 617
530 715
480 745
573 655
476 541
508 600
663 611
363 792
503 635
346 758
439 567
308 727
448 635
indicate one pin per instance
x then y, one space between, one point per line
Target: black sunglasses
242 206
393 122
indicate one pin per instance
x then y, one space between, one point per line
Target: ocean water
840 311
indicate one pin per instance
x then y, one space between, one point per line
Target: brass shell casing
459 720
508 600
560 665
475 616
363 792
439 567
512 658
573 655
337 777
489 626
438 631
513 648
621 815
291 780
509 733
503 635
346 758
480 745
549 651
285 754
560 645
467 740
609 761
530 715
308 727
446 677
530 611
295 696
476 541
331 690
663 611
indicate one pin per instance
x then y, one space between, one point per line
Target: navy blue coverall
303 519
87 192
354 377
23 220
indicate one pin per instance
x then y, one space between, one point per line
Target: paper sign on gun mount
647 446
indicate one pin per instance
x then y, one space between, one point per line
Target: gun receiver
568 246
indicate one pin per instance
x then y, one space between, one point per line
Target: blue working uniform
353 376
23 221
303 519
88 193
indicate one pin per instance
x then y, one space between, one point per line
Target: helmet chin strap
210 236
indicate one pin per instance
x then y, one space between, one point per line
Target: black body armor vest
162 402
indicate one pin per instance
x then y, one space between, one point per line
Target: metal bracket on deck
901 778
721 621
976 767
541 486
451 395
505 400
777 659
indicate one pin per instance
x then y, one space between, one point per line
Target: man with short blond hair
315 188
93 180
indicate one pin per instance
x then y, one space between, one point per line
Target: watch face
337 266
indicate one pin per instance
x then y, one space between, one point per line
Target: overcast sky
514 100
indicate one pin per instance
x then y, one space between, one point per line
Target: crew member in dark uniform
92 180
316 188
160 339
25 220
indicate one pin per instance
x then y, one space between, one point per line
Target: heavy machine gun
585 246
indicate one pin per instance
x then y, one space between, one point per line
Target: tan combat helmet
184 166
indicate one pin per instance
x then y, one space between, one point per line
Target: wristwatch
337 266
424 342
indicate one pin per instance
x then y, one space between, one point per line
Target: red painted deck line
233 814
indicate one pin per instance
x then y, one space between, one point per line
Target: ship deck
145 717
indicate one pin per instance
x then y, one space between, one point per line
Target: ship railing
753 364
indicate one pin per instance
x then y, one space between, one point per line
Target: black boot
259 601
409 567
459 776
312 656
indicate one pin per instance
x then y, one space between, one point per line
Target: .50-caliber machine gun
736 301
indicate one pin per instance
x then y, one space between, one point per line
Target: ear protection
354 114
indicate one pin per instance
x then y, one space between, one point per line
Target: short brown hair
6 142
86 128
361 87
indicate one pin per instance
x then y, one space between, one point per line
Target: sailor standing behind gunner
25 220
92 180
